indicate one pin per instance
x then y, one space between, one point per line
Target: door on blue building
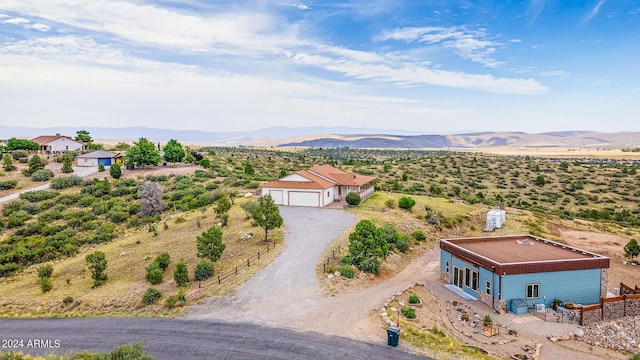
458 277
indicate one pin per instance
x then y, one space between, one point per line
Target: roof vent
564 247
584 253
574 250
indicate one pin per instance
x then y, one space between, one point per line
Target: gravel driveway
282 293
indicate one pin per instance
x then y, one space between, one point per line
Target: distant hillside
568 139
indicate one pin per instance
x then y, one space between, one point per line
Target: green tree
8 164
174 152
22 144
632 249
406 203
35 163
83 135
366 245
97 263
222 205
115 171
267 215
248 169
142 153
204 270
101 167
181 274
67 163
248 207
210 245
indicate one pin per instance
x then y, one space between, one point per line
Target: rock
392 309
384 314
248 195
337 273
330 276
401 303
553 339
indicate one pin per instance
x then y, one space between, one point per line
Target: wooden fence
628 304
247 263
330 257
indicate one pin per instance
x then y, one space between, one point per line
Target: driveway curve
282 293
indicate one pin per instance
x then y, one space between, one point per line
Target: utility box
496 218
393 336
519 306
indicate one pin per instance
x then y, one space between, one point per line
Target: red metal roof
522 254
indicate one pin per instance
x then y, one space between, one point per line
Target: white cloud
471 45
298 6
40 27
595 10
555 73
16 21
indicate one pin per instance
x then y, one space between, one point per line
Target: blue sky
429 66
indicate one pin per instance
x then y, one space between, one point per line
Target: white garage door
299 198
277 196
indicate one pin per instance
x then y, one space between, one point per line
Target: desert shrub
151 296
204 270
40 195
402 243
17 219
104 233
181 274
171 302
45 284
346 260
44 271
23 160
68 300
118 216
347 271
63 182
19 154
409 312
154 276
100 167
163 261
10 184
352 198
406 203
134 208
35 164
371 266
419 235
7 269
390 203
42 175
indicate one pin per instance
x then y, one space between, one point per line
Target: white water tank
496 218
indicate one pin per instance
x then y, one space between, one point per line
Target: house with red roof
57 143
318 186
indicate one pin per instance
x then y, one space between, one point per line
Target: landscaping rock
619 334
330 276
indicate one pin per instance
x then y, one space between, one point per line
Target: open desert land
452 190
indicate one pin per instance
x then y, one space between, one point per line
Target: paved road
189 339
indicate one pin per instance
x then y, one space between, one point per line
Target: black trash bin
393 335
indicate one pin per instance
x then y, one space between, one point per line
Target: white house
496 218
58 143
318 187
98 157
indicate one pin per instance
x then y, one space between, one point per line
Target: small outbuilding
496 218
96 158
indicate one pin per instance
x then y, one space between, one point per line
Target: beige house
318 186
98 157
52 144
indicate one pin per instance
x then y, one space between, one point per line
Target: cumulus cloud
16 21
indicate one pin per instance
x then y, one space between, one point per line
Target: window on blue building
446 265
488 287
533 291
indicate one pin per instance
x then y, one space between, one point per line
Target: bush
19 154
67 301
414 299
419 235
163 261
346 260
42 175
100 167
7 269
371 266
409 312
45 284
390 203
204 270
402 243
352 199
154 276
6 185
39 195
181 274
44 271
23 160
115 171
64 182
151 296
347 271
171 302
406 203
118 216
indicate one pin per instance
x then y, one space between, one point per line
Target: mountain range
331 137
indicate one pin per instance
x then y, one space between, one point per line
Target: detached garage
96 158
